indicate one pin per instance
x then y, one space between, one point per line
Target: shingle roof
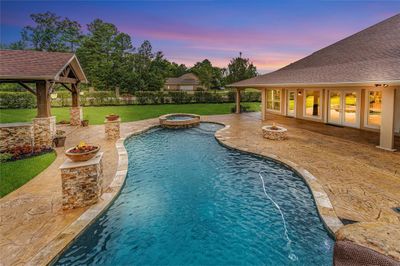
35 65
186 79
370 55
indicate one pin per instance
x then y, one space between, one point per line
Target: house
354 82
186 82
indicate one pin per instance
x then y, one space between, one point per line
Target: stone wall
112 129
15 135
82 182
44 129
76 116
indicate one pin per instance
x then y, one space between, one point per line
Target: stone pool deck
362 182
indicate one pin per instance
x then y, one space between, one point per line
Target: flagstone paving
362 182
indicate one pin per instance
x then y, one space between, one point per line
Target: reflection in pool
189 201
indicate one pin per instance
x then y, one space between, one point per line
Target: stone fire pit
274 132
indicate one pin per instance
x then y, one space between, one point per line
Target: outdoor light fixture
385 85
299 93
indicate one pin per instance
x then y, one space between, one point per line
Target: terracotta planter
85 123
112 117
59 141
81 157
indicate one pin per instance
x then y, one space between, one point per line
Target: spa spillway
179 120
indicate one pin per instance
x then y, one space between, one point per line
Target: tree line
110 60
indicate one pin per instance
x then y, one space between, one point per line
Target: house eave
313 85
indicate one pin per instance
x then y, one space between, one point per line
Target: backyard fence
10 100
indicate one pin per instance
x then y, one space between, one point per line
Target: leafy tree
50 33
239 69
103 54
210 76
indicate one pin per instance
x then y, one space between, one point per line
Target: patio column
238 100
387 119
44 125
76 113
263 104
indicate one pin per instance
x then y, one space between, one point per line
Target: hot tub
179 120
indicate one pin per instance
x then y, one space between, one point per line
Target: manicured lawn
96 115
15 174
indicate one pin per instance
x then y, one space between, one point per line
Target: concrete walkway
362 182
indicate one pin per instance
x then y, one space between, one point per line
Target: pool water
179 117
190 201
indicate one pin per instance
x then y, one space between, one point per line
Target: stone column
112 129
44 129
82 182
76 116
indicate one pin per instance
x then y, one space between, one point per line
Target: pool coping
51 252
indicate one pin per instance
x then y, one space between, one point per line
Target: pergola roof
369 56
36 65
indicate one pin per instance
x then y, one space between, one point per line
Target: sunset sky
270 33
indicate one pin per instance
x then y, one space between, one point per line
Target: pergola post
44 125
76 113
387 119
238 100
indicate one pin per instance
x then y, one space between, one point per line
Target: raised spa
188 200
179 120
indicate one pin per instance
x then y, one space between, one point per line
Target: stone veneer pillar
76 116
44 129
82 182
112 129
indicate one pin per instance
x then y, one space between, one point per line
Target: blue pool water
189 201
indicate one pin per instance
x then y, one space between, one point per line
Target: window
312 99
274 100
374 105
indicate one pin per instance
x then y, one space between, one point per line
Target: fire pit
274 132
82 152
179 120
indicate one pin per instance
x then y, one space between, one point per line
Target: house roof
37 65
369 56
186 79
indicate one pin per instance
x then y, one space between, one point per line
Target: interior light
385 85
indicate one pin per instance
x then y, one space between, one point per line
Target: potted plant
112 117
85 122
59 138
82 152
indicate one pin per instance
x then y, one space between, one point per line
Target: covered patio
46 71
353 83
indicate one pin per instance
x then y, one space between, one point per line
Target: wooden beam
43 99
27 87
75 95
67 80
65 86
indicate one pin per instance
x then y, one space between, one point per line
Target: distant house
186 82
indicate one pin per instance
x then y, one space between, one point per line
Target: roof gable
38 65
370 55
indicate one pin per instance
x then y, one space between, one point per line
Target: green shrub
180 97
4 157
17 100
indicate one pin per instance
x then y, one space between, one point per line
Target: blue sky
271 33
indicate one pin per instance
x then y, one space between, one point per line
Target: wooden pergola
47 70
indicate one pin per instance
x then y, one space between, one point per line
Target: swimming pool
189 201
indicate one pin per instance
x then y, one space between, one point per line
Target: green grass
96 115
16 173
